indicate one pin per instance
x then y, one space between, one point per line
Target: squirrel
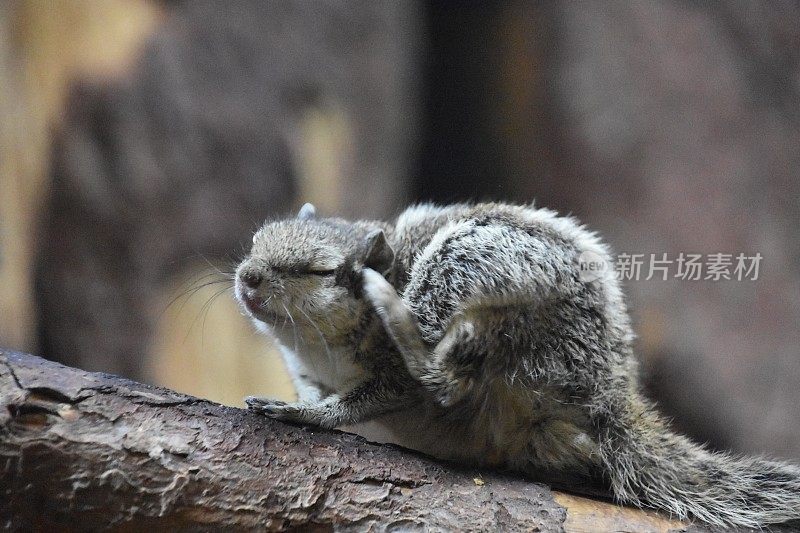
467 332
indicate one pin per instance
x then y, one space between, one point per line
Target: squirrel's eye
322 272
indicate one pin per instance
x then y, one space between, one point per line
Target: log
86 451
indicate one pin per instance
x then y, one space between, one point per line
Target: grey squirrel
467 332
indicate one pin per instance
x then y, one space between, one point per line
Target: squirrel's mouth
254 304
257 306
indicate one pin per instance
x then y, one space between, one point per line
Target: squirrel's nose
251 278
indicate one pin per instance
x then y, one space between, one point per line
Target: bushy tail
650 466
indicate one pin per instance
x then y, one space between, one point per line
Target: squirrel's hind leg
438 369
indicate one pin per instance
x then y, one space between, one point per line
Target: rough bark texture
82 450
91 450
85 451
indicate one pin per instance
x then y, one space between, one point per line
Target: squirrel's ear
307 212
379 255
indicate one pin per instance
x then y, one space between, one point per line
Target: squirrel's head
303 275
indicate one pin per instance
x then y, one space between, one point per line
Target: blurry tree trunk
43 45
232 114
668 127
87 451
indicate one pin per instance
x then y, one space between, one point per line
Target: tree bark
86 451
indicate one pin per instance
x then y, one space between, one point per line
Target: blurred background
142 142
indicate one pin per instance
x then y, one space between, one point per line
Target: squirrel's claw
280 410
258 402
378 291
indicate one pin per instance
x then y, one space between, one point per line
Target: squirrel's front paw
288 412
270 407
257 403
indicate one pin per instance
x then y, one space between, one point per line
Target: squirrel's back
550 376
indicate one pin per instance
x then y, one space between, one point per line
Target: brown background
141 141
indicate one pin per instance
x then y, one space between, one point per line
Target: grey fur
483 344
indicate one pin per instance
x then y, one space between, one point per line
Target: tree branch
83 450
